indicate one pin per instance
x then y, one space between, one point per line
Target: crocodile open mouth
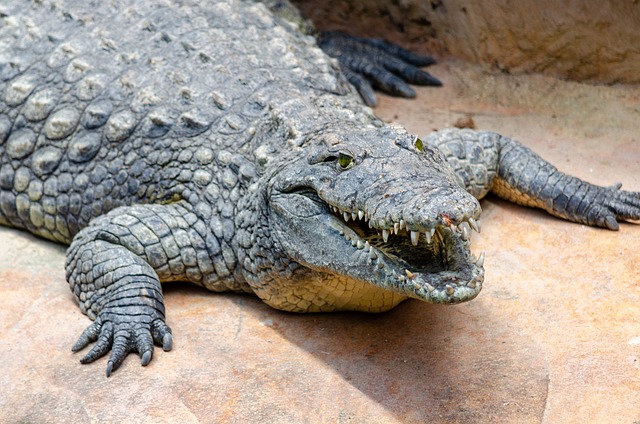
433 264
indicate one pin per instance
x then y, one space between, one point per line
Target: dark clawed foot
363 86
122 334
373 62
614 205
626 204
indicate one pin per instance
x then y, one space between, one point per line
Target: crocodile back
108 103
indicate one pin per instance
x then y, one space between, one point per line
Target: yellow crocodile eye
344 160
419 145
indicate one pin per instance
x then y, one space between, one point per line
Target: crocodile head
371 217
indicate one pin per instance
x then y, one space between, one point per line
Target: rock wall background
575 39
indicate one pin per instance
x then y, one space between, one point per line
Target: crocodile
210 142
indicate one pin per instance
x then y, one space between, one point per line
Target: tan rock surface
579 40
554 336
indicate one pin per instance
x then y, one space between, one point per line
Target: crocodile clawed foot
122 334
368 63
619 205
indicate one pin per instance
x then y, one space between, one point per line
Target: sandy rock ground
553 337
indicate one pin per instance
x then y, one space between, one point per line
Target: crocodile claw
121 334
368 62
616 205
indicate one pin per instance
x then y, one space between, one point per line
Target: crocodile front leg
115 266
486 161
122 293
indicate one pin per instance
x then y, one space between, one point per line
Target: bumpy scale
212 143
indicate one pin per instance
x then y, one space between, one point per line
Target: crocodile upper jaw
436 267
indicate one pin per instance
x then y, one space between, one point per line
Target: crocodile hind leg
486 161
372 62
365 62
115 266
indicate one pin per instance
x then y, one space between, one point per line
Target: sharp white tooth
345 216
474 225
360 215
453 228
480 260
414 237
410 275
416 285
429 287
359 244
427 236
354 215
396 227
354 243
465 233
372 254
402 224
385 235
367 246
347 236
449 290
433 231
391 231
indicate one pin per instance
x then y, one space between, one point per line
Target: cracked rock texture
575 39
553 337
